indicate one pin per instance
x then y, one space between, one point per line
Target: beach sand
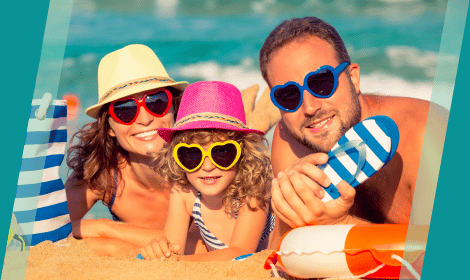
76 261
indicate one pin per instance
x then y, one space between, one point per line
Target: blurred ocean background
395 42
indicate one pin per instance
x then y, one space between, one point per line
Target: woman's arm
109 237
80 199
262 116
245 237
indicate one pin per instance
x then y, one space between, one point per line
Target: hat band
211 117
135 82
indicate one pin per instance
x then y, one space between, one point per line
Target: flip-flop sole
377 136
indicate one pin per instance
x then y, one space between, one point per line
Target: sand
76 261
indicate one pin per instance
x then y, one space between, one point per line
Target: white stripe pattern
36 125
42 150
56 214
371 158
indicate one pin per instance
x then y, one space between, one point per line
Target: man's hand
264 115
297 193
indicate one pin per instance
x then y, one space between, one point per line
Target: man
294 49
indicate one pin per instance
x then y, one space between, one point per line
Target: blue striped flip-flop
360 153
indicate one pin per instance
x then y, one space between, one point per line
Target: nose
310 104
144 118
207 165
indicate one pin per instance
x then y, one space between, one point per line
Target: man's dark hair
294 29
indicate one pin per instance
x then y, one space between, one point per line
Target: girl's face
141 136
210 180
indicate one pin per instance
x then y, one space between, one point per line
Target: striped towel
362 151
40 205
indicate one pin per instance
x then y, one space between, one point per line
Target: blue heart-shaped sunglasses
321 83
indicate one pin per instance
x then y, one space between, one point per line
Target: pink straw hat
216 105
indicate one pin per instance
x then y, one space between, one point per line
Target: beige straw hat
127 71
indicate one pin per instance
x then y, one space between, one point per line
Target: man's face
319 122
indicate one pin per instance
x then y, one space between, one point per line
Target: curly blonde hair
252 181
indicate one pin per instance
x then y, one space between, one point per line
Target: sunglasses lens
288 97
125 110
189 157
224 155
321 83
157 103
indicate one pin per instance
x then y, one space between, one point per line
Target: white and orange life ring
372 251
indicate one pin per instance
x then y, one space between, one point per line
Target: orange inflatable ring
352 251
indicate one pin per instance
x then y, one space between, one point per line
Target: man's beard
351 118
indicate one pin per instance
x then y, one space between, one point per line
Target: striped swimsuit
213 243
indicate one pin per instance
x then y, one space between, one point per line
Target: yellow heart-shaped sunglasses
223 155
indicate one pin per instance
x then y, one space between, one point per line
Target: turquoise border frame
50 66
446 80
448 239
436 125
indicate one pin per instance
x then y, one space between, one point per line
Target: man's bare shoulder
409 114
404 111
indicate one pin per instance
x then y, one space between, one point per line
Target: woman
111 157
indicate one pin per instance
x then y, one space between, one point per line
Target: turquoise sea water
396 43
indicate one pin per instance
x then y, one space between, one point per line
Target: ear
355 75
110 130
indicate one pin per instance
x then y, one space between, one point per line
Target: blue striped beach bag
40 206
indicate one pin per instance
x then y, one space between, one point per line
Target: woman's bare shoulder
77 186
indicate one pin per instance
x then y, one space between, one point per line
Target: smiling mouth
317 126
146 134
209 180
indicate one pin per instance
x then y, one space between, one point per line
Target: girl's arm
245 237
176 227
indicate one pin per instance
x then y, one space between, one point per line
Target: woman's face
140 137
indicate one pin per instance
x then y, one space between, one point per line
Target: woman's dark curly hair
94 156
254 173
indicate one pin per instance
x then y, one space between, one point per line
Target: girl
221 176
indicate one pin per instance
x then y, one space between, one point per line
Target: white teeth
209 179
320 124
146 134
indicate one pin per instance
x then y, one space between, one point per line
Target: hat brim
93 111
167 133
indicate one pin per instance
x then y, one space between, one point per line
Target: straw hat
127 71
215 105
